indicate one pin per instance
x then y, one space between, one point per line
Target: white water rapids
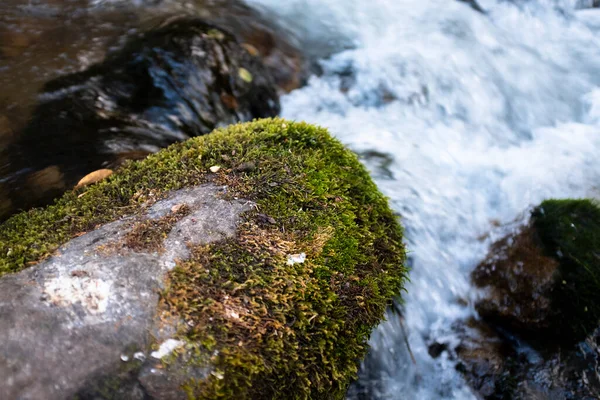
469 119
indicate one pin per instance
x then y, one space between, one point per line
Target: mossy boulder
254 260
542 293
545 279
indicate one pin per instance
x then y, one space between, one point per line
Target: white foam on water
483 116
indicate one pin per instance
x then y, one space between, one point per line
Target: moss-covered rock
543 286
546 277
570 232
284 308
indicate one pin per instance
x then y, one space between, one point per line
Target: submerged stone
167 280
177 81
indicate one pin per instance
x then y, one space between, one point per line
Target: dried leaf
94 177
229 101
253 51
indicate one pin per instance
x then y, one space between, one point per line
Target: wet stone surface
182 79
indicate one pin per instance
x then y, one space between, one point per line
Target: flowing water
465 119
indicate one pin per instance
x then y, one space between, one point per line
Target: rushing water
466 120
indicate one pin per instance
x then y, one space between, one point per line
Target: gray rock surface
89 313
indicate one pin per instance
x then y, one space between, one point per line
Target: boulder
182 79
545 279
539 334
249 263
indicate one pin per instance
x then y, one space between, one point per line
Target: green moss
570 232
277 330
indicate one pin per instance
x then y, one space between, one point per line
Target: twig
398 311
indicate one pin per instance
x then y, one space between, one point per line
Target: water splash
466 119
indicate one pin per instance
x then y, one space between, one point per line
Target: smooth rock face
85 317
183 79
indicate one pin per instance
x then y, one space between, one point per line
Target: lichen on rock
254 325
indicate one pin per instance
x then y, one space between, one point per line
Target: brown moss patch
149 235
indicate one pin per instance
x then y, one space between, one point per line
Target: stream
465 119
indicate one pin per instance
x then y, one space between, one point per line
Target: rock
540 336
180 80
499 366
545 280
485 359
165 282
520 280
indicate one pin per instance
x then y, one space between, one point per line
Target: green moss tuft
277 330
570 232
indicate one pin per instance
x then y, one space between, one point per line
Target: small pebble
214 169
176 208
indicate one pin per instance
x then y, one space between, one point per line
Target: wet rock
498 366
539 335
436 349
180 80
168 281
520 279
545 279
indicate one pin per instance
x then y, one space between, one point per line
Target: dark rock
180 80
545 279
500 366
485 359
520 280
436 349
539 335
